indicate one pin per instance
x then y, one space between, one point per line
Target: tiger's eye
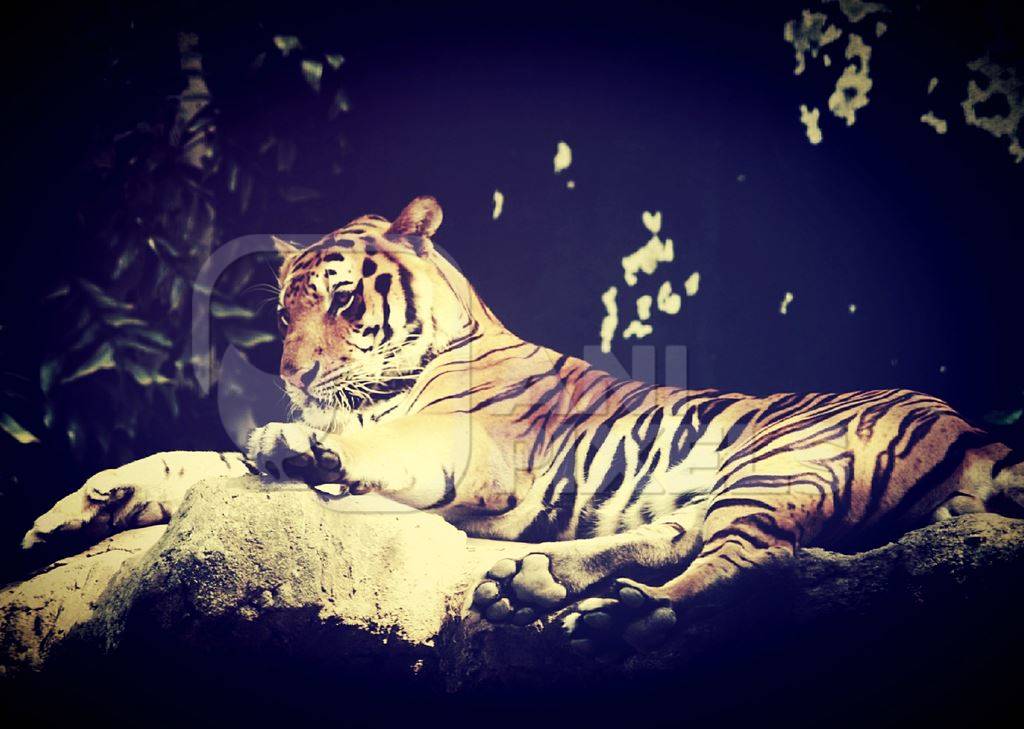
340 301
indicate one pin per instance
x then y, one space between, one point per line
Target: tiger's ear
418 221
287 251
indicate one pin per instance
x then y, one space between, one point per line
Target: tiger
404 383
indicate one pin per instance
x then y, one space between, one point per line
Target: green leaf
87 337
286 43
340 104
47 371
101 359
124 261
312 71
334 60
60 291
76 437
230 311
249 338
152 335
171 396
10 426
144 376
178 289
141 347
1004 417
120 320
101 297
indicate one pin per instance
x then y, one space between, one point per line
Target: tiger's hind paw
632 619
518 591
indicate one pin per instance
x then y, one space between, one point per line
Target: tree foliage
192 144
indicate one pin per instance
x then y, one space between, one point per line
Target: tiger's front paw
286 451
138 494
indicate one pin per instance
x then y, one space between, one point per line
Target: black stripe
734 532
520 387
554 518
449 492
405 278
736 430
382 285
734 501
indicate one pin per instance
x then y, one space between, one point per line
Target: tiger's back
605 455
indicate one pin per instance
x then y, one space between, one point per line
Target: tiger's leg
753 521
439 463
551 573
137 494
990 478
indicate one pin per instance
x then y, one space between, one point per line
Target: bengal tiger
405 383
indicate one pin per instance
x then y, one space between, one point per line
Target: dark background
665 107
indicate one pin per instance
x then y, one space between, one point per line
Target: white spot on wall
643 307
571 184
939 125
942 369
856 10
610 322
787 299
809 37
669 301
851 93
852 308
1003 82
652 221
563 157
826 60
932 84
499 204
637 329
809 117
692 284
880 29
647 257
741 177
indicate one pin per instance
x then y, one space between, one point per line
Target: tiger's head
363 310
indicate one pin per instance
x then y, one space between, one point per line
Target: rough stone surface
37 614
246 570
247 566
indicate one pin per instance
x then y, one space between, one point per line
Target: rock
247 566
38 614
953 572
250 580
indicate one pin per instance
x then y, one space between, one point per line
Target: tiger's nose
302 380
